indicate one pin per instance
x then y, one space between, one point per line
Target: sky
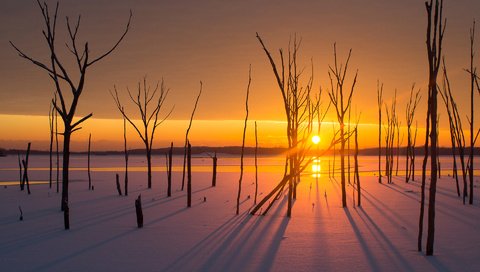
185 42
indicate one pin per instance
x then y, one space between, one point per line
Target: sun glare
316 139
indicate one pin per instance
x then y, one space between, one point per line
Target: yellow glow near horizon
316 139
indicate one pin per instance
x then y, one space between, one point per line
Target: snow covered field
321 236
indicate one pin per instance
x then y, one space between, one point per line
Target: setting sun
316 139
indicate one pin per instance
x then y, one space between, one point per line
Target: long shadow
363 244
391 248
233 244
50 266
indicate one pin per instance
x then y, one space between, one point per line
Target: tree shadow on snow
242 243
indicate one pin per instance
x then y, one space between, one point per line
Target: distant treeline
231 150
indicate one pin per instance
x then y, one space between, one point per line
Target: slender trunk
126 153
189 174
342 164
139 211
169 171
50 119
256 164
22 186
357 175
424 172
149 167
66 162
88 163
25 169
472 141
214 170
57 153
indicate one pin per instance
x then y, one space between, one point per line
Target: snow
321 236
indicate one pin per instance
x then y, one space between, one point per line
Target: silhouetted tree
62 75
380 105
243 141
473 76
51 122
186 134
149 118
256 164
169 170
88 162
189 174
434 50
25 169
410 114
125 151
337 95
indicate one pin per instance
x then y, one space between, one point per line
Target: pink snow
321 236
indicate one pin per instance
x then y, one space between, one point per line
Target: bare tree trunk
117 181
380 103
434 47
125 150
149 166
51 115
214 170
189 174
66 163
256 164
357 175
169 171
88 163
138 211
57 153
473 76
25 169
187 132
20 179
424 172
243 142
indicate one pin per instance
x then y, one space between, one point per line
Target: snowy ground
321 236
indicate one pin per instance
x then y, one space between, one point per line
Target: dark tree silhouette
186 134
125 150
62 75
410 114
380 105
243 141
256 164
342 101
88 162
146 96
434 51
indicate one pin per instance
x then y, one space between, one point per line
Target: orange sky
214 41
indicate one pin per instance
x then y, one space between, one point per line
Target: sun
316 139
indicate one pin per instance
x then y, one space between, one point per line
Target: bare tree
256 164
243 141
341 100
410 114
61 74
88 162
434 50
473 76
125 151
186 134
145 96
380 105
51 121
300 110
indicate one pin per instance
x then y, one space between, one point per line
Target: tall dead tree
446 100
410 114
125 151
390 132
243 142
380 105
25 169
67 88
57 153
456 130
88 162
341 99
51 116
435 33
473 76
169 170
189 174
256 164
186 134
357 175
145 96
300 111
